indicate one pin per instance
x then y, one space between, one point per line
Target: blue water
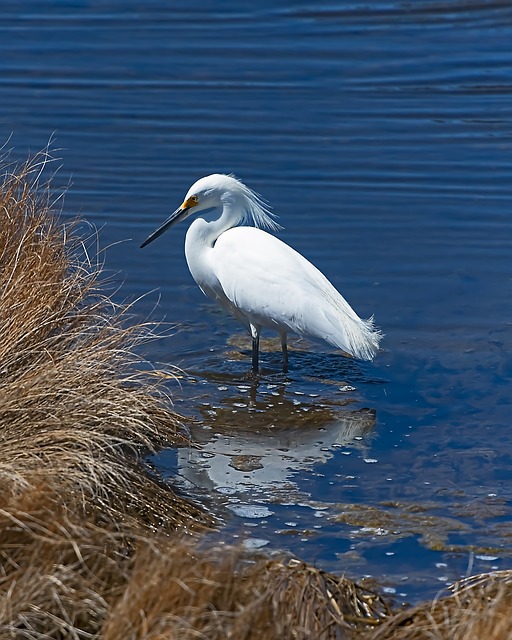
381 133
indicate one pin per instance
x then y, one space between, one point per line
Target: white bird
258 278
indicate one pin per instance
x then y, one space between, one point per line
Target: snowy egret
258 278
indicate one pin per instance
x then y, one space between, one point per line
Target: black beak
174 217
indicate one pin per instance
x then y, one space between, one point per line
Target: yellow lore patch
189 202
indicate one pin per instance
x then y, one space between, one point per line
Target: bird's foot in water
252 375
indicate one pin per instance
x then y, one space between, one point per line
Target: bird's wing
274 286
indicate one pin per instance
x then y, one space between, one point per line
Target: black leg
255 353
284 347
255 334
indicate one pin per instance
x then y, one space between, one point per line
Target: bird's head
212 192
220 191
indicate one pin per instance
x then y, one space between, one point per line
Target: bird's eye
194 199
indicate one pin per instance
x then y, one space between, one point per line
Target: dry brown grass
183 592
91 544
74 411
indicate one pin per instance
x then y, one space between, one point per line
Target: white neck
199 243
205 233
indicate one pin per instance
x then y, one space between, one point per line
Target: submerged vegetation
92 544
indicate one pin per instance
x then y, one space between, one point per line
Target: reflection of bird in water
258 278
269 449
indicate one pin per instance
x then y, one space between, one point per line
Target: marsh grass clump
188 593
75 411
